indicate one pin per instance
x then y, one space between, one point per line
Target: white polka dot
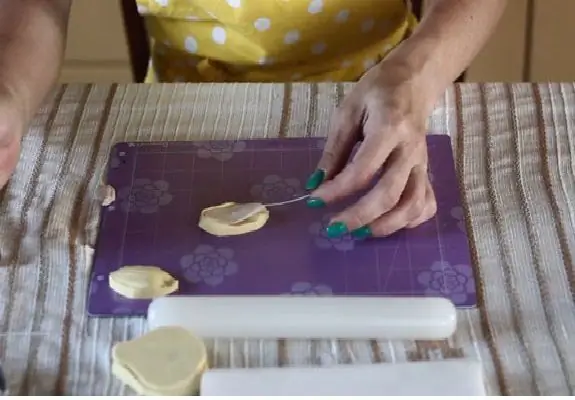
191 44
142 9
162 3
296 77
235 3
318 48
346 64
291 37
315 6
368 64
265 60
219 35
367 25
342 16
262 24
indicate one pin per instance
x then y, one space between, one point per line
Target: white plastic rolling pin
262 317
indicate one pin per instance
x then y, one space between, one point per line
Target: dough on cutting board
142 282
107 194
214 226
167 361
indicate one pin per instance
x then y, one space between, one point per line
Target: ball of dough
167 361
217 227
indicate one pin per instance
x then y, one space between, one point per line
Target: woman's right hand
12 123
387 113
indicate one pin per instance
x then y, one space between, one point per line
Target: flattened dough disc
222 221
166 361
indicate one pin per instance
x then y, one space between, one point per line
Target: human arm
32 38
388 110
444 44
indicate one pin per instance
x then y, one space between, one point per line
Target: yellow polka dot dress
270 40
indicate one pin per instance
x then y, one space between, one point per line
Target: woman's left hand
387 111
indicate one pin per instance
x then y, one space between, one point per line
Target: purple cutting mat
162 187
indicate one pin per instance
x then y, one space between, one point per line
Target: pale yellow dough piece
108 195
216 227
167 361
142 282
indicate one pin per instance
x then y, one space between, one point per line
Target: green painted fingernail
361 233
315 179
315 202
336 229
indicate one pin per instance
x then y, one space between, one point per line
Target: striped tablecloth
514 147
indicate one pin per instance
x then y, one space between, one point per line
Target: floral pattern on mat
145 196
445 279
275 188
219 150
209 265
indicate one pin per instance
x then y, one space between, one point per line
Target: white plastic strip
429 378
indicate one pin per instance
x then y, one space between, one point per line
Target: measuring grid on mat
162 187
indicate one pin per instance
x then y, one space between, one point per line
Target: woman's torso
271 40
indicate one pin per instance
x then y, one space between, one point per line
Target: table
514 147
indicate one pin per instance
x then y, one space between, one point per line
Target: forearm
32 40
450 35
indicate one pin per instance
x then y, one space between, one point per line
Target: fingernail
315 202
336 229
361 233
315 179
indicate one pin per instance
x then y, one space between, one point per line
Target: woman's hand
387 111
12 122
